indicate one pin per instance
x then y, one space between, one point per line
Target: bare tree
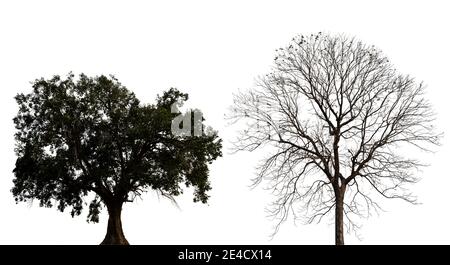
334 112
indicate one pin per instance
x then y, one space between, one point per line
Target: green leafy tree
93 136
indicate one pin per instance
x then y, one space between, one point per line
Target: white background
209 49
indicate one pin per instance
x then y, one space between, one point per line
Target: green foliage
88 135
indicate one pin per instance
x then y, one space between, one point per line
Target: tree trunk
339 219
114 232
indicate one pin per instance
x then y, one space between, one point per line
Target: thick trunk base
114 232
114 240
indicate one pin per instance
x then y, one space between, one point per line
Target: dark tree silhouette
335 112
93 136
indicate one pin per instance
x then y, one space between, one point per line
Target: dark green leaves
93 135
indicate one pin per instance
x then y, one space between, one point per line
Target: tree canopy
92 134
